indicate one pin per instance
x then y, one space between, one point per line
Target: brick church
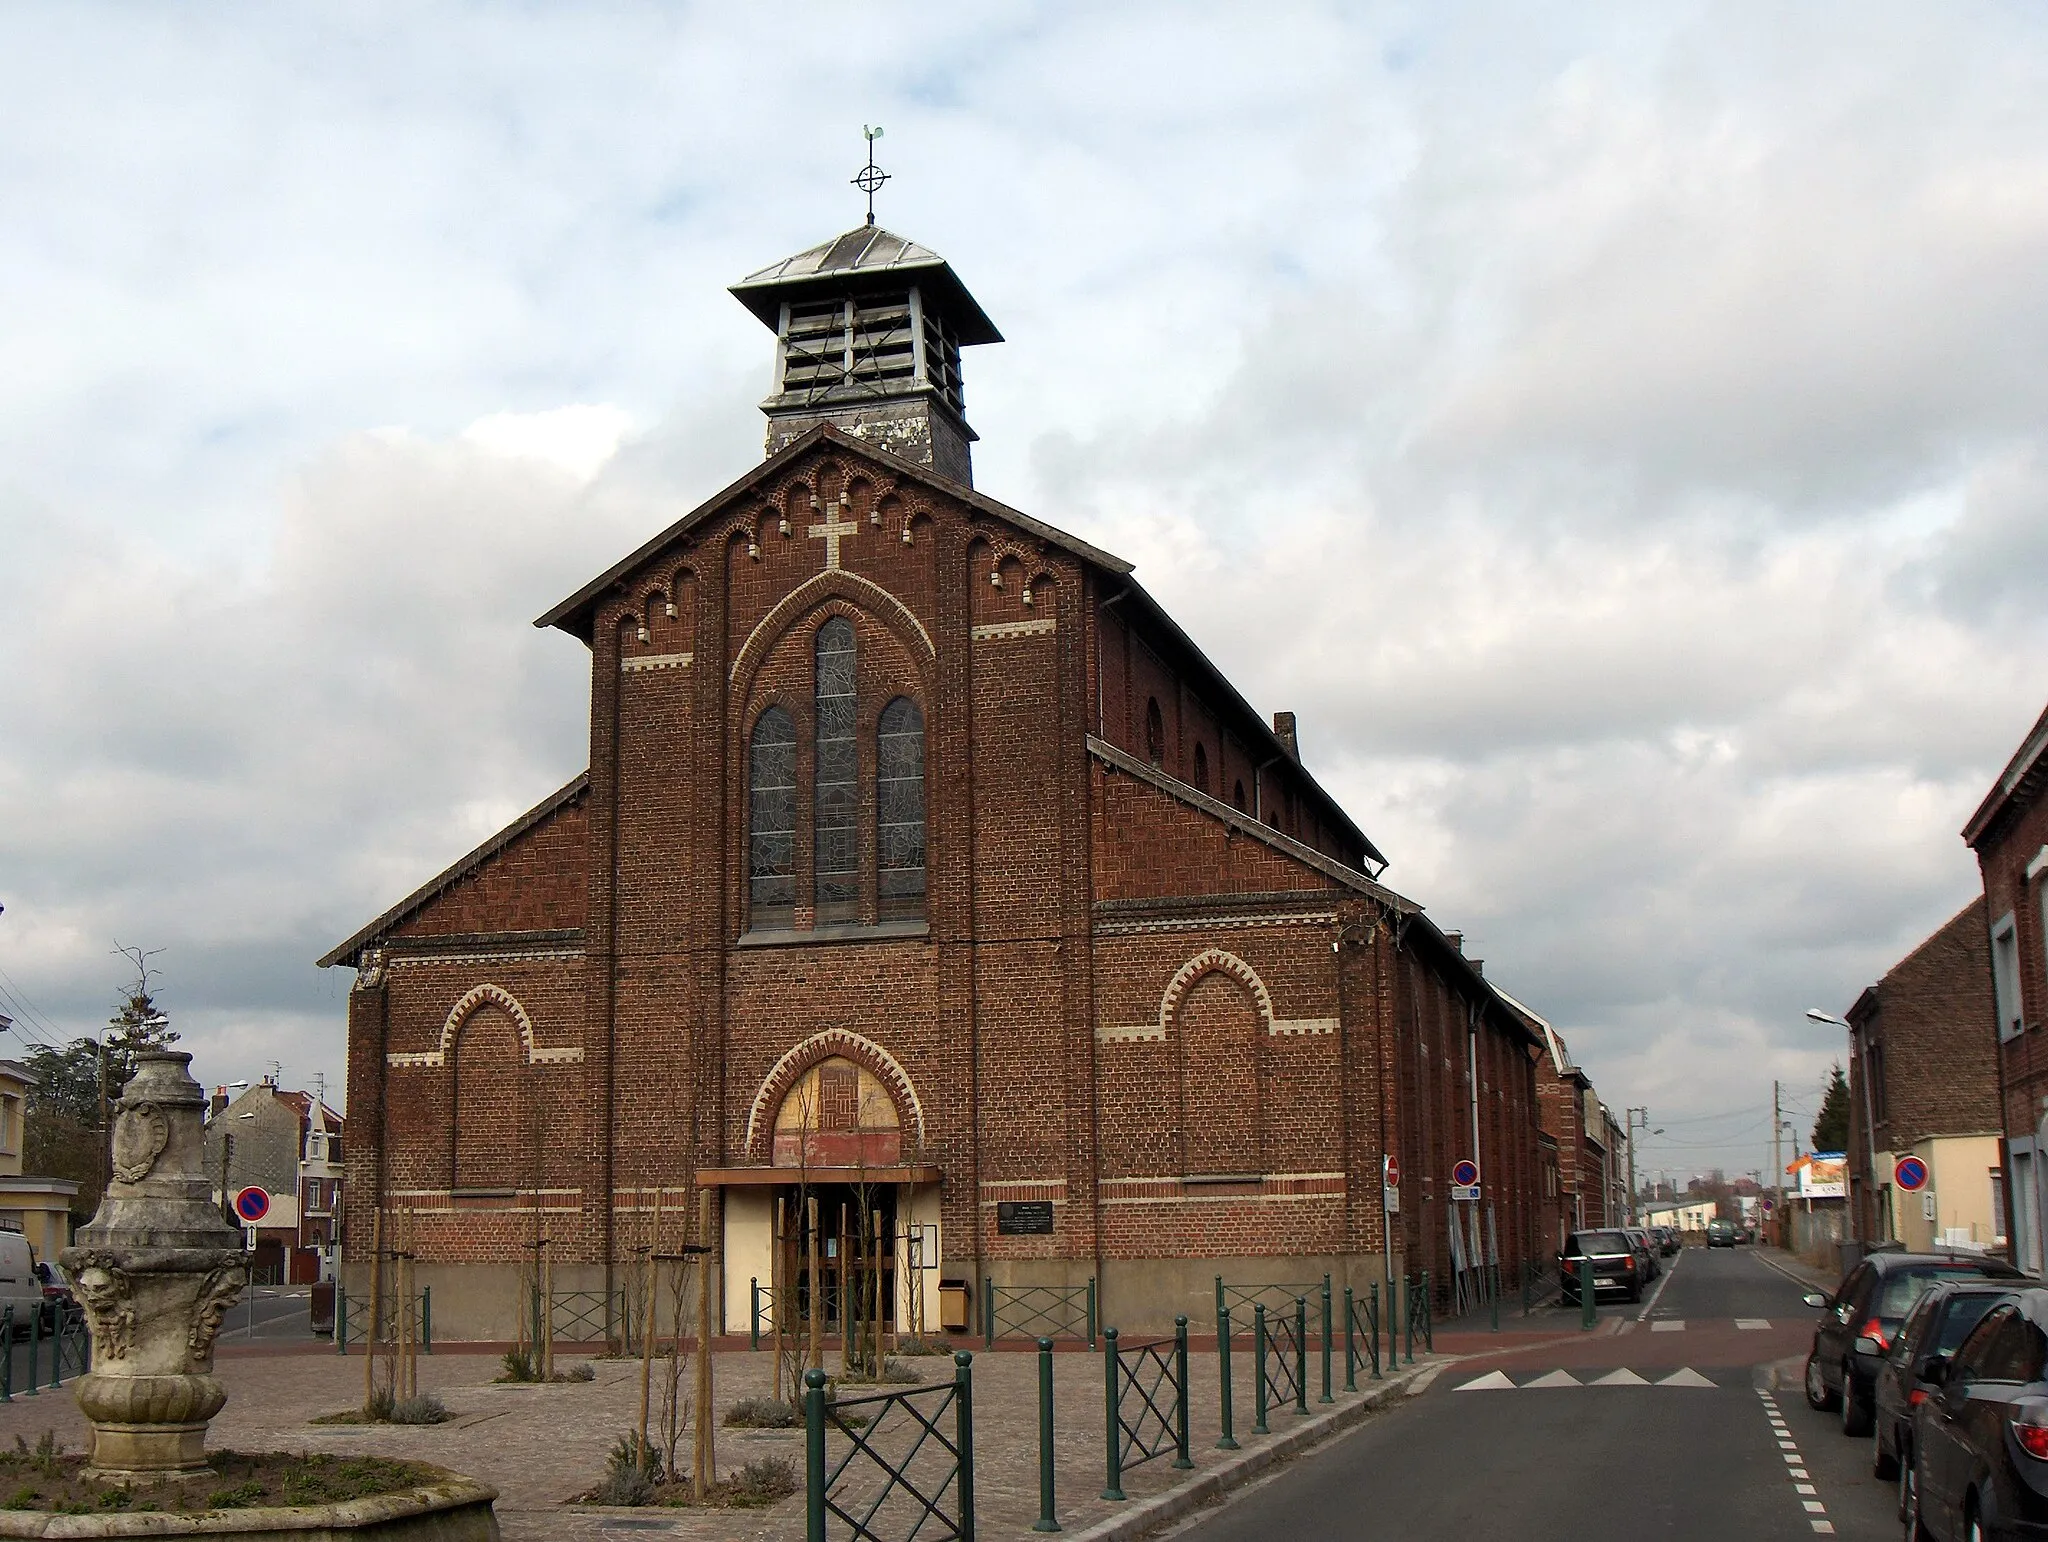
923 857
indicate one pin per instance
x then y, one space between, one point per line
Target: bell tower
868 332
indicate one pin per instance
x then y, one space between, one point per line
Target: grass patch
47 1479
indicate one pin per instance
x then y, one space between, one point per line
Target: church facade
922 864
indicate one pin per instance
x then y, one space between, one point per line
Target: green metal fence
58 1344
908 1467
1037 1311
1361 1334
1277 1297
580 1316
1420 1314
352 1317
1145 1403
1280 1360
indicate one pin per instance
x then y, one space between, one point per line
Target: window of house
2005 976
899 811
334 1148
2026 1242
1155 732
1874 1077
771 813
836 817
1201 769
1237 796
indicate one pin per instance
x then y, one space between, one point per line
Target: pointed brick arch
489 995
1210 961
789 1070
868 596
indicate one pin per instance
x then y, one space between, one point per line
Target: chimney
217 1104
1456 940
1479 967
1283 730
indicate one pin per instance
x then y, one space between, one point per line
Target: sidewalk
540 1446
1796 1269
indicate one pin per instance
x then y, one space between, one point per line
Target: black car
1980 1442
1912 1371
1615 1265
1668 1240
1863 1317
1720 1234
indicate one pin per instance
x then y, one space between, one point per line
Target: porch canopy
761 1177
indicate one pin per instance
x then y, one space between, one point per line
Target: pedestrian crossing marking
1752 1322
1669 1325
1496 1381
1500 1381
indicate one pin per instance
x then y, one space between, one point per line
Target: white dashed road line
1795 1467
1651 1304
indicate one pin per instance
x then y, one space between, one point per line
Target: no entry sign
1393 1177
1465 1173
1910 1174
252 1204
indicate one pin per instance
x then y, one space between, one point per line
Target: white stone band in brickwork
655 661
493 995
999 631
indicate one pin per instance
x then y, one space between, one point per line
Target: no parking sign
252 1204
1910 1174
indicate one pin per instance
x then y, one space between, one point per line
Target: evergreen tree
138 1024
1831 1128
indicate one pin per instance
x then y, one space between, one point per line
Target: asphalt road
1690 1439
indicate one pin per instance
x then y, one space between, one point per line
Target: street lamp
1859 1051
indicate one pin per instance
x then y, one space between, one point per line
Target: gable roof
2023 775
418 900
575 615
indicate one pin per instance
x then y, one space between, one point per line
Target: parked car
1911 1372
1720 1234
1980 1442
57 1292
1615 1265
1646 1252
1668 1240
19 1287
1863 1317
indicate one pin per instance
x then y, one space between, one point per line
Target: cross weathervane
871 176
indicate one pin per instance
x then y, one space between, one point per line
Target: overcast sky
1617 431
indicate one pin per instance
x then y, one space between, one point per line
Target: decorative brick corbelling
862 1051
1002 631
1209 924
652 661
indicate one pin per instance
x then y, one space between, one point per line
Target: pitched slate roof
863 252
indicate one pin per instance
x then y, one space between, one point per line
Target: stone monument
155 1271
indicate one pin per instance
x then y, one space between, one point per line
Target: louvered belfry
868 332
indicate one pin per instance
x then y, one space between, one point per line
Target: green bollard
1183 1457
1221 1310
427 1318
754 1321
1350 1345
1229 1440
1301 1354
1589 1293
1326 1397
35 1344
1259 1365
1113 1488
1374 1298
963 1436
1046 1521
814 1456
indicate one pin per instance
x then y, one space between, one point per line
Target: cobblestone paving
542 1446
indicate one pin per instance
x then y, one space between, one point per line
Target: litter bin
322 1308
953 1306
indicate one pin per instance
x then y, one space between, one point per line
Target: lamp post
1859 1053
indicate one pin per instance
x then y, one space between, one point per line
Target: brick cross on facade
830 532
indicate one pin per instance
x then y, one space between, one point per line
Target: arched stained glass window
899 811
771 820
836 820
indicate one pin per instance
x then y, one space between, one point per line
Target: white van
19 1287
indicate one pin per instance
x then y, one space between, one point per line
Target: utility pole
1777 1162
1629 1115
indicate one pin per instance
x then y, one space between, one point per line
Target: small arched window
1155 732
771 820
1201 769
1237 796
836 819
899 811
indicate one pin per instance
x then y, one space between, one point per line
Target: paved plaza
541 1446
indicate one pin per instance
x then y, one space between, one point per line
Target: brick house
2009 833
289 1144
923 866
1923 1082
1571 1117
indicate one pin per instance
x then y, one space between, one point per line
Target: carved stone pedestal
156 1271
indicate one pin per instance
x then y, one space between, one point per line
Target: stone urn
155 1270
